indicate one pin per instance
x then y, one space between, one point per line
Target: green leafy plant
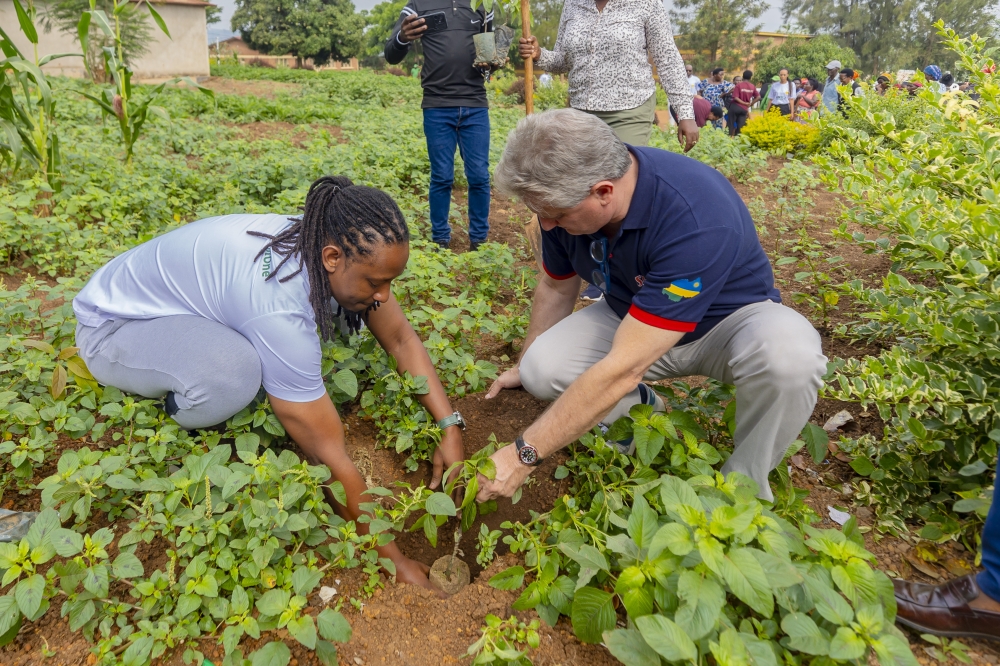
945 648
924 197
120 104
505 642
818 271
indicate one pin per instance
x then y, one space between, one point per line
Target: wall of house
184 53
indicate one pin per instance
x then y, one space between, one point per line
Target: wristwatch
450 420
526 453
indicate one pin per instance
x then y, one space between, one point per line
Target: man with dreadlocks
201 316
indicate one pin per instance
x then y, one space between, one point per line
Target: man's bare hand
511 473
527 47
509 379
412 572
413 26
687 134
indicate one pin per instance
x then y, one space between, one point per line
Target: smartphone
435 22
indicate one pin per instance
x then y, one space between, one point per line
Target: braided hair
356 219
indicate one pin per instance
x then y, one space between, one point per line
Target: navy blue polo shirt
686 255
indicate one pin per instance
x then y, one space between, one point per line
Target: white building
184 53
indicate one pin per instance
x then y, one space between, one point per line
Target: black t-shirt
448 75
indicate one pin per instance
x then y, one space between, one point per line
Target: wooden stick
529 75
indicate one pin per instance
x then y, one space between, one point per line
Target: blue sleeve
555 259
685 278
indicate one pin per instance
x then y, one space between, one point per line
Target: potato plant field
156 545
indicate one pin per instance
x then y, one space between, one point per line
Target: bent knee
536 373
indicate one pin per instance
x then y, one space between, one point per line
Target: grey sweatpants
212 370
771 353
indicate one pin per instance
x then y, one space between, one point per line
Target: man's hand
413 26
448 452
412 572
687 134
527 47
509 379
511 473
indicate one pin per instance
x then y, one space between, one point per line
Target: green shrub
907 113
927 197
779 135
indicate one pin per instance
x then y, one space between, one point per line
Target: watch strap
450 420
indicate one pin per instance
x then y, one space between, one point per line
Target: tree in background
893 34
64 16
802 57
379 24
720 32
323 30
213 14
545 21
965 17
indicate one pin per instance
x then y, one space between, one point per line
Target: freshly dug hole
459 578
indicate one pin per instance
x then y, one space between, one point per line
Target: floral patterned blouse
607 56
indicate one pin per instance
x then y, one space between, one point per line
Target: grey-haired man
688 291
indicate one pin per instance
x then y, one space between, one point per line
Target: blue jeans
469 128
989 578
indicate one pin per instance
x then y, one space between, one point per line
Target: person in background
808 99
545 80
704 113
948 82
743 97
456 111
847 79
692 79
882 84
933 74
965 606
606 48
782 95
831 98
715 89
415 71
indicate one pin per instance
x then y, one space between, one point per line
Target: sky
771 19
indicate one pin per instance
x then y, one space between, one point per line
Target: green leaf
847 645
138 652
27 27
440 504
628 647
157 18
187 604
585 555
673 536
126 565
804 635
862 465
10 617
326 652
745 577
274 653
333 626
346 382
28 593
273 602
511 578
593 614
702 598
66 542
303 630
642 522
667 638
817 441
305 580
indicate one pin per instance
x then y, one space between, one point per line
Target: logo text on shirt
266 264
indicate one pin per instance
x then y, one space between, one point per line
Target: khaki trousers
771 353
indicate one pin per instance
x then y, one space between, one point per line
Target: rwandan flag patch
683 289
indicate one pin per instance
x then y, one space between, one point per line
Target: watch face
528 454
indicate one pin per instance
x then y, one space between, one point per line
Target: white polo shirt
207 268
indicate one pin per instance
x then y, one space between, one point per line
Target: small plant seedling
505 642
943 648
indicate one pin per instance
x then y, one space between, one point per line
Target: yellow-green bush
779 134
